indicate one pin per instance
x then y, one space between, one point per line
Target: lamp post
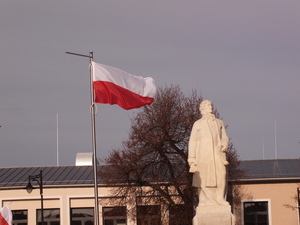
39 179
298 196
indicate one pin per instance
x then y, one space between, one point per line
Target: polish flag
5 216
114 86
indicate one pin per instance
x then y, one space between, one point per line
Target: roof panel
84 174
280 168
69 175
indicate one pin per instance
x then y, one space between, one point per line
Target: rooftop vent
84 159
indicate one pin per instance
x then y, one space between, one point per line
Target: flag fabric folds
114 86
5 215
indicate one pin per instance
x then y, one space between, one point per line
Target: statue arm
192 148
225 139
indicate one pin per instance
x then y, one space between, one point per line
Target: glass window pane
148 215
114 211
256 213
82 216
19 217
121 222
89 222
51 216
54 223
76 223
114 215
179 215
149 210
108 222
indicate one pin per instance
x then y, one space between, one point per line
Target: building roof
271 169
52 176
83 175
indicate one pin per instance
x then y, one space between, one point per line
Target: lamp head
29 187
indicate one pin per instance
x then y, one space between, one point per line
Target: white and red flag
115 86
5 215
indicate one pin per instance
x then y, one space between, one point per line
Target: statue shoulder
199 122
219 121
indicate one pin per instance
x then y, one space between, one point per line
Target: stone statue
208 145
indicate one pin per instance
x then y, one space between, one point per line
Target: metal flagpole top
87 56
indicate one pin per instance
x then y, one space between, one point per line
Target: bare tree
155 154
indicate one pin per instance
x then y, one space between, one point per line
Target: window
256 213
114 216
19 217
181 210
82 216
148 215
51 217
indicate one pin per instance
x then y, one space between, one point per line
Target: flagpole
96 209
57 144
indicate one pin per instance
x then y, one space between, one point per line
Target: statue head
205 107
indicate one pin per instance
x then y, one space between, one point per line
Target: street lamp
39 179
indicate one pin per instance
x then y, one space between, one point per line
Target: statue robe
207 139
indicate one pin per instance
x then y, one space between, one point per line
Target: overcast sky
242 55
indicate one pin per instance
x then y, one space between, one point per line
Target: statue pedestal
213 215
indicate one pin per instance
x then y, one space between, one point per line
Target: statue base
214 215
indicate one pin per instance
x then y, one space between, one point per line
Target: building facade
268 196
269 192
